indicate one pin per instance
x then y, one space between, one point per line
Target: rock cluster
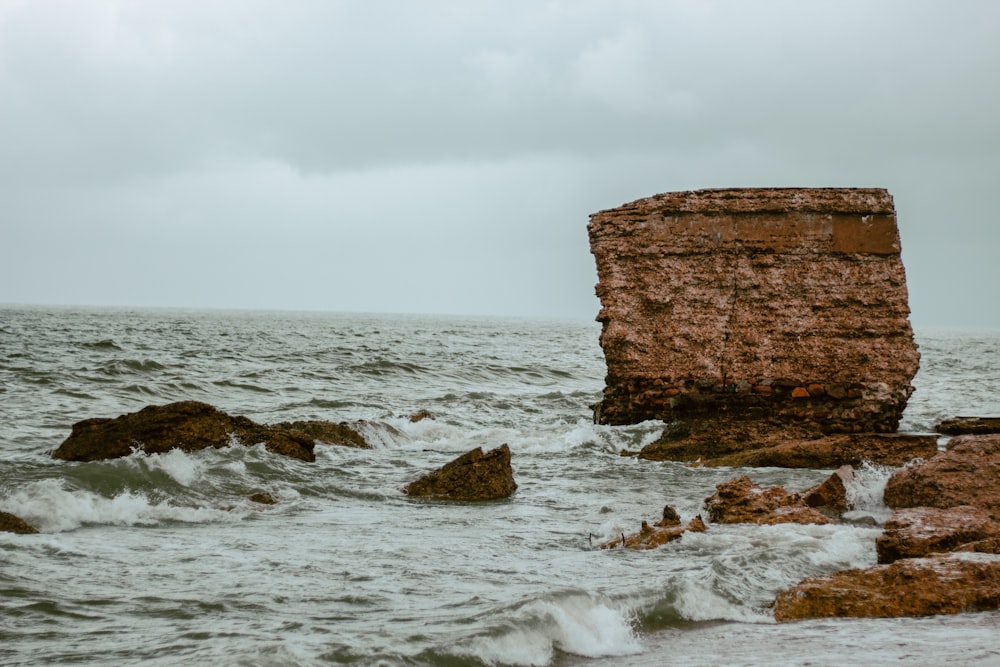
741 501
940 552
666 530
473 476
778 307
191 426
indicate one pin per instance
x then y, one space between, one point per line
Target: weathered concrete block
785 305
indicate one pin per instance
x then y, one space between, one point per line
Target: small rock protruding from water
473 476
263 498
11 523
421 415
969 426
670 517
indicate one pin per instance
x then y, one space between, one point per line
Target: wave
573 622
52 508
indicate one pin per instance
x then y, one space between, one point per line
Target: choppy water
162 559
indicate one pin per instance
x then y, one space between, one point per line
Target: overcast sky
444 157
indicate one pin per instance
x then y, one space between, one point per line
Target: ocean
163 559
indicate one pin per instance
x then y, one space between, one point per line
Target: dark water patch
118 367
243 385
105 344
74 394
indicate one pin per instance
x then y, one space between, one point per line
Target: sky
445 156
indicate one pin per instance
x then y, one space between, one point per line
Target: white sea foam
579 624
50 507
864 492
183 468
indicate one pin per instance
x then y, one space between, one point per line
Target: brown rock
327 432
944 584
965 474
11 523
741 501
832 493
670 517
263 497
191 426
914 532
421 415
969 426
704 291
472 476
651 537
749 447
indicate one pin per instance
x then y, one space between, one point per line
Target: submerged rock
263 498
943 584
741 501
11 523
327 432
192 426
472 476
914 532
965 474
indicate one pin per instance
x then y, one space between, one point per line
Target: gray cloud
444 156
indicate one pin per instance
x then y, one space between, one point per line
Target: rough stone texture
946 584
741 444
741 501
965 474
472 476
191 426
914 532
11 523
779 306
969 426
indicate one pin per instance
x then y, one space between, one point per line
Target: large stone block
777 305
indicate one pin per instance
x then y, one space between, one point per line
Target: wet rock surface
741 501
969 426
11 523
651 537
192 426
782 306
965 474
914 532
740 444
473 476
943 584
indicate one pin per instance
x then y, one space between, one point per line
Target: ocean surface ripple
161 559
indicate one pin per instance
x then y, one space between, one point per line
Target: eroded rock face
472 476
191 426
965 474
944 584
778 306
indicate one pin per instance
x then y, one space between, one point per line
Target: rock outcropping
11 523
473 476
785 307
191 426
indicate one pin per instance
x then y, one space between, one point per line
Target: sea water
163 559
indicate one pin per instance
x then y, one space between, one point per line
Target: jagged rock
965 474
11 523
832 493
741 501
786 307
190 426
472 476
942 584
969 426
651 537
742 445
670 517
914 532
